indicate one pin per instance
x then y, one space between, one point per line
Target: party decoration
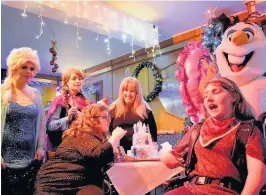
253 14
42 23
157 76
212 34
196 69
210 13
241 57
39 83
54 58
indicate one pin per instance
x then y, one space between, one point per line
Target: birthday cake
142 145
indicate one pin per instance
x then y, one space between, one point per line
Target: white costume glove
117 135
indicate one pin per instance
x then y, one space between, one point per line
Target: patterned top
77 163
18 147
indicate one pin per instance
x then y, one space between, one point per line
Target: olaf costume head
241 57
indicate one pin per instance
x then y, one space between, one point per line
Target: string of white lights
146 50
159 49
89 23
24 14
80 11
108 44
66 19
77 37
124 37
132 49
42 23
158 45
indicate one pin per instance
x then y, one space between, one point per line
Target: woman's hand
120 150
72 113
171 161
77 114
3 164
39 155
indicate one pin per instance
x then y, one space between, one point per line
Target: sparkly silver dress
18 146
18 150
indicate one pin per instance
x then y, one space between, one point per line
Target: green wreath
157 76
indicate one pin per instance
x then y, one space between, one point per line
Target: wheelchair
180 180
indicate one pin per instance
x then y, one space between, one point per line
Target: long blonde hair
86 121
65 78
15 59
120 108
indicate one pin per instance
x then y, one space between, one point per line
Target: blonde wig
119 107
241 109
65 91
86 121
15 60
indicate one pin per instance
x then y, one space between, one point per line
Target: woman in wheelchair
77 165
225 154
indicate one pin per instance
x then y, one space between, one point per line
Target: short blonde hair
139 107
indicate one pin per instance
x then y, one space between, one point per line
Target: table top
138 178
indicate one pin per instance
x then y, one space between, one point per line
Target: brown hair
86 121
65 78
241 110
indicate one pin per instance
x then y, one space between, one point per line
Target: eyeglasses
103 117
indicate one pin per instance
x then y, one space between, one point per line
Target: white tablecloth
138 178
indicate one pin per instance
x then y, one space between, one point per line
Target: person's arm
256 177
256 160
41 143
55 123
93 148
152 125
175 157
3 120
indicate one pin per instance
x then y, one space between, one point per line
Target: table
138 178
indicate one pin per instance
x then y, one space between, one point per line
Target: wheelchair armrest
175 181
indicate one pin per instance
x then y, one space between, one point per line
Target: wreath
157 76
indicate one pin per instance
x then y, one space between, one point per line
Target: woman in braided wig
23 124
65 108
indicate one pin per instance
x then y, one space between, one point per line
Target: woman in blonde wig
65 108
84 151
129 108
23 123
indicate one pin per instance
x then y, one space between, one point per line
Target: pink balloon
190 75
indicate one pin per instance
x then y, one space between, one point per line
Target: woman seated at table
128 109
214 167
84 151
